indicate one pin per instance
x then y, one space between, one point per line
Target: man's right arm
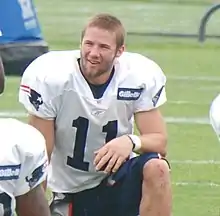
37 93
46 127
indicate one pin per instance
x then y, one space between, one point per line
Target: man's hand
113 154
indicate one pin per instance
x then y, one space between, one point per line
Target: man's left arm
148 118
153 138
153 132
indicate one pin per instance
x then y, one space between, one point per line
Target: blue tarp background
21 40
18 21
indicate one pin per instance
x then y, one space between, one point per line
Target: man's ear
120 51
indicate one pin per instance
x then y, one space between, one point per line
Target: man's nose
94 51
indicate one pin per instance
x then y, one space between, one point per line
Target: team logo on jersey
34 97
9 172
36 175
129 93
157 96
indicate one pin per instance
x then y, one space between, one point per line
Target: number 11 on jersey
82 125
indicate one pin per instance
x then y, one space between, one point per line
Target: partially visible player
23 167
84 102
214 115
2 76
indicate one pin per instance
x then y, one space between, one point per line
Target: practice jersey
23 162
214 115
54 88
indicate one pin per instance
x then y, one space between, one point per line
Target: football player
85 102
23 167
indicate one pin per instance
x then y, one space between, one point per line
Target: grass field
192 70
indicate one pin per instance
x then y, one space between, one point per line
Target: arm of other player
46 127
2 77
33 203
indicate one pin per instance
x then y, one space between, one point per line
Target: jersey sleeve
154 93
37 91
34 167
214 116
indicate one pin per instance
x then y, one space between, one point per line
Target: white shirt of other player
214 115
53 87
23 162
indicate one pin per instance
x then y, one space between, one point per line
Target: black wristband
131 142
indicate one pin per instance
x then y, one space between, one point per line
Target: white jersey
23 162
214 115
53 88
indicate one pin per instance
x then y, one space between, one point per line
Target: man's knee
156 170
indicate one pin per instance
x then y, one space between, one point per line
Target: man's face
98 51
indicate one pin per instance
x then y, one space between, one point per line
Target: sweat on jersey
53 88
23 162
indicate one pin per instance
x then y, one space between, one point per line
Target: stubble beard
93 75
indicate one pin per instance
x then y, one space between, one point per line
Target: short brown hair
110 23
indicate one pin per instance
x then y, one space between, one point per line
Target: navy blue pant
120 199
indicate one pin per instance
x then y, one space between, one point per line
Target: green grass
61 23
